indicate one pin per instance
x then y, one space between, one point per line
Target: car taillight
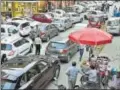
64 51
42 33
11 53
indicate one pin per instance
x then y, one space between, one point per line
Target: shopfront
21 8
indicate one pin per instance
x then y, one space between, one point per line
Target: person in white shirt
38 45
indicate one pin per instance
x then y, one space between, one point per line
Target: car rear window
25 25
42 27
6 47
58 45
12 30
113 23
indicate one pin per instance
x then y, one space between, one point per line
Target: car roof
60 40
33 23
7 25
114 18
21 64
71 13
20 21
11 39
62 18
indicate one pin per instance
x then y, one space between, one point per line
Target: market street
112 50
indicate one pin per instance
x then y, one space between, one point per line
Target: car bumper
62 57
113 31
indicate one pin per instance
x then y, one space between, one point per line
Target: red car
44 18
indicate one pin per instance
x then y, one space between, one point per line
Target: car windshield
6 47
58 21
94 19
113 23
12 30
58 45
14 23
7 83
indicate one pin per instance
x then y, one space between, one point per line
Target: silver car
64 49
47 31
63 23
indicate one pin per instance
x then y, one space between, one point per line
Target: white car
53 14
74 17
78 8
8 30
15 45
60 12
95 12
62 23
22 25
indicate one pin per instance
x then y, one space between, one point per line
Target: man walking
81 49
38 45
72 73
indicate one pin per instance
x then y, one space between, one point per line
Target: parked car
22 25
74 17
15 45
42 17
64 49
95 12
29 72
47 31
53 15
60 12
8 30
78 8
113 25
63 23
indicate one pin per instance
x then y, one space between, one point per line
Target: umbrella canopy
91 36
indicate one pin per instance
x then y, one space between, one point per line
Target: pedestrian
91 52
81 50
38 45
72 73
115 11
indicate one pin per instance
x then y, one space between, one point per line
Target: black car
29 72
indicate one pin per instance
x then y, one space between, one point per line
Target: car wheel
56 72
48 38
68 58
31 48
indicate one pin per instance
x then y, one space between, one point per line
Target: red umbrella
91 36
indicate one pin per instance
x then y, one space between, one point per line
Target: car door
51 30
54 29
22 46
66 24
44 77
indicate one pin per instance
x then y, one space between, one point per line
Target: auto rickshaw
96 21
